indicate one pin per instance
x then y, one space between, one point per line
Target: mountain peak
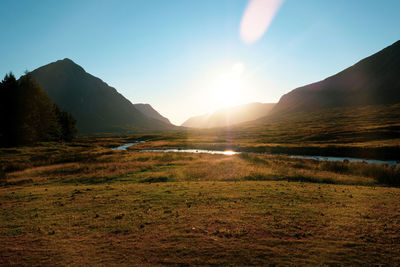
97 107
65 64
67 60
371 81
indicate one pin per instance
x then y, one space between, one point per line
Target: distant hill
199 121
374 80
149 111
97 107
230 116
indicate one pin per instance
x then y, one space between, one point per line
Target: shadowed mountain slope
150 112
97 107
374 80
230 116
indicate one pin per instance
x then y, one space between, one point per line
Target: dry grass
85 204
116 166
225 223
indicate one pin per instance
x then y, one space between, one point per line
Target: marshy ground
86 204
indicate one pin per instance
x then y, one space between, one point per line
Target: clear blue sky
168 53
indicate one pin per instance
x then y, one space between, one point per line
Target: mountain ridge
149 111
97 107
372 80
230 116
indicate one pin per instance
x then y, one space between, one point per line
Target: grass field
364 132
85 204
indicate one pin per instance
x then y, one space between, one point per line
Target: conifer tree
27 114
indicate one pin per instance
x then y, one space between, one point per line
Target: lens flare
256 19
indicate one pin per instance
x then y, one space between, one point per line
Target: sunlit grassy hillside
364 132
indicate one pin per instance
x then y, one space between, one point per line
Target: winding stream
125 146
230 152
227 152
369 161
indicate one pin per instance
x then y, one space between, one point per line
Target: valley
89 177
153 208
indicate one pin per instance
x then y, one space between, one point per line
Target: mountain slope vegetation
230 116
97 107
374 80
150 112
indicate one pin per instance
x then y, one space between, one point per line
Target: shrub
335 166
384 174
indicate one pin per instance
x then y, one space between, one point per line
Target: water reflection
370 161
227 152
231 152
125 146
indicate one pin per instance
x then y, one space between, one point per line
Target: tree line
28 116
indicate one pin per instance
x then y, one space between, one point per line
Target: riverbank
87 162
85 203
230 152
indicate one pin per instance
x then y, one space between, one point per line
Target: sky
190 57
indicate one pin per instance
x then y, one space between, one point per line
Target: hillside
197 121
97 107
150 112
374 80
230 116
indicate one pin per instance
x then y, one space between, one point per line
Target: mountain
374 80
150 112
199 121
230 116
97 107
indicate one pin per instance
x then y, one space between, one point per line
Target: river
230 152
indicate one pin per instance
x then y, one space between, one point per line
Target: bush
335 166
160 179
384 174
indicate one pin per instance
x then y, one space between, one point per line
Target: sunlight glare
238 68
227 91
256 19
229 152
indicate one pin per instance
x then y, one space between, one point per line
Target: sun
228 87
